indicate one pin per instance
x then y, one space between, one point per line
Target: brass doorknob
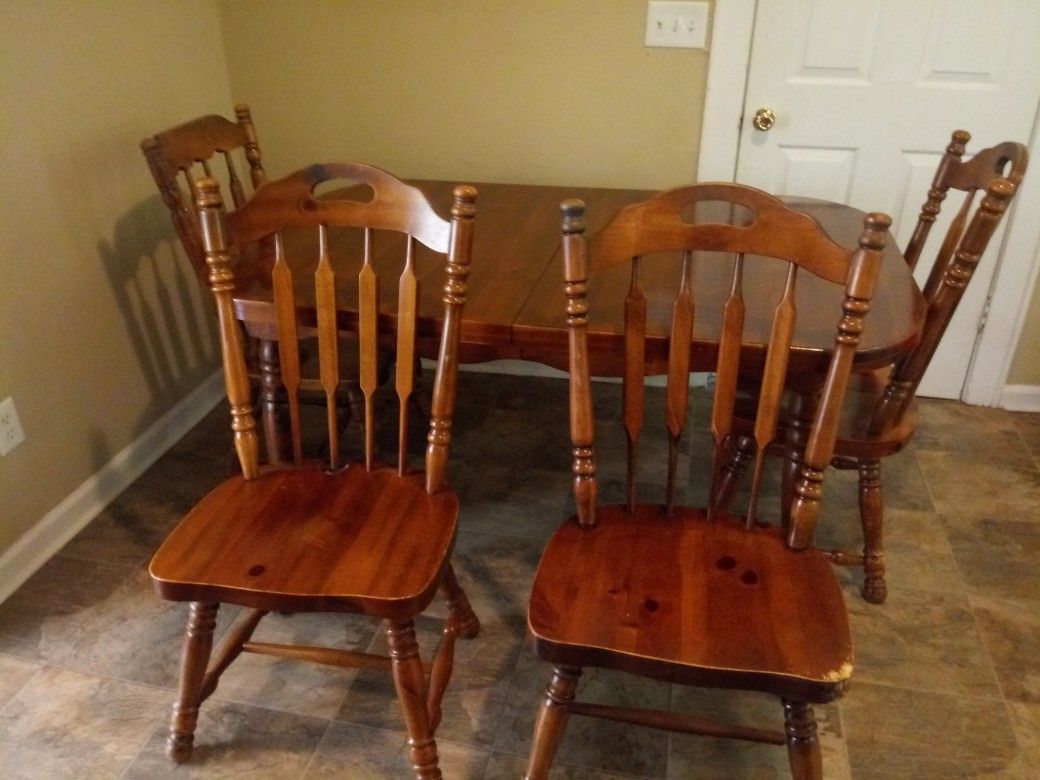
764 119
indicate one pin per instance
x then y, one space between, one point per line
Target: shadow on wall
170 320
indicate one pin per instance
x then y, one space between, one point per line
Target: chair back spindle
290 204
727 369
632 387
678 373
368 326
774 233
997 172
941 298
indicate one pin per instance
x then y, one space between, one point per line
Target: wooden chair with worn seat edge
683 594
881 415
363 537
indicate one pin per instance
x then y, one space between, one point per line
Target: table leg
273 405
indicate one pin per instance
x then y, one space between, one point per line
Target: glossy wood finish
879 418
178 158
514 304
670 592
327 536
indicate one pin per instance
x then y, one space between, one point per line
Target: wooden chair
361 537
181 153
680 593
178 158
881 416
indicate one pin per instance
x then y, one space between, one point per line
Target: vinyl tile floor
947 680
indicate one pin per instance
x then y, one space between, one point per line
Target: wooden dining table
515 303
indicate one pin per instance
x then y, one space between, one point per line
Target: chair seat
691 602
854 437
304 540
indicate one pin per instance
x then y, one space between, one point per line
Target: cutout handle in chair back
1008 160
394 207
775 232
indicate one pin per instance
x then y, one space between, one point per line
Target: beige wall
1025 369
101 329
540 91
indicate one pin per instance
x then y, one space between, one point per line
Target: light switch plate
676 24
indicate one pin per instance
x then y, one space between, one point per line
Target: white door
866 94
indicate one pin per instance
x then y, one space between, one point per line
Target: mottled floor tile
961 483
298 686
494 499
349 750
1028 426
1011 631
895 732
134 635
996 556
127 532
1025 719
45 616
696 756
942 426
475 697
589 743
236 740
496 573
66 724
14 673
917 553
506 766
920 639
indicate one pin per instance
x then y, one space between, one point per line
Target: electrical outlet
679 25
11 433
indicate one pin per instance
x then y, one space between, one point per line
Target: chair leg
458 605
803 746
198 641
461 621
552 720
411 691
871 513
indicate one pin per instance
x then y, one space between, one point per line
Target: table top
515 303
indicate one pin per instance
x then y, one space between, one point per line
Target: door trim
731 30
731 37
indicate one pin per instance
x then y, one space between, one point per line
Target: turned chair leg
803 745
198 641
552 720
411 692
461 621
458 605
871 513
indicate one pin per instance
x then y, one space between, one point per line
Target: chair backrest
181 155
997 171
662 224
394 207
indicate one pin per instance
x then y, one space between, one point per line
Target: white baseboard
58 526
1021 398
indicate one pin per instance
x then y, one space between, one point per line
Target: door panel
866 94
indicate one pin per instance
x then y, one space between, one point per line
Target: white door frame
732 30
